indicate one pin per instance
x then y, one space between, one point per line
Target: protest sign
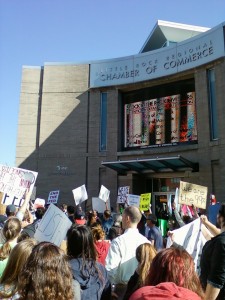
80 194
53 197
133 200
14 182
193 194
39 203
99 205
145 200
122 194
104 193
191 238
53 226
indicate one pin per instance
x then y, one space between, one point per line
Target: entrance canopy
158 164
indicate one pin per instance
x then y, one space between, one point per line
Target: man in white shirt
121 259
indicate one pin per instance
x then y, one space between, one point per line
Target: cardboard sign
99 205
133 200
193 194
80 194
122 194
53 226
53 197
14 182
104 193
191 238
145 201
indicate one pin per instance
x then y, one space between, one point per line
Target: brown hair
175 265
144 254
98 233
11 230
46 275
17 259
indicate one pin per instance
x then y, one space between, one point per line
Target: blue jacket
94 285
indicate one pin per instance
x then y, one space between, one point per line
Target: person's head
39 213
106 214
144 255
221 216
46 275
176 265
151 220
10 210
131 217
70 210
63 207
91 217
98 233
79 218
80 243
16 261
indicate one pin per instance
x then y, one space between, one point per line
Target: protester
164 291
121 259
91 275
71 212
92 218
46 275
16 261
212 262
144 255
116 230
107 222
102 246
176 265
31 228
11 231
79 216
154 234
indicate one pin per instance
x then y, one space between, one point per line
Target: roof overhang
155 165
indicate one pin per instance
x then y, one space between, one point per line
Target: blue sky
33 32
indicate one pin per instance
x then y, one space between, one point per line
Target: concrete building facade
145 121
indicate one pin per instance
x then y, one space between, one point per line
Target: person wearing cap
154 234
79 218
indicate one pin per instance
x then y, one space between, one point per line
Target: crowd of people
107 256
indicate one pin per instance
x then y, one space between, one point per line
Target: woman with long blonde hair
11 231
16 261
144 255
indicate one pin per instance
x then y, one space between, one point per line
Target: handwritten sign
14 182
53 226
53 197
104 193
80 194
191 238
122 194
133 200
145 201
193 194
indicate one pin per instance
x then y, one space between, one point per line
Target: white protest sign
14 182
193 194
53 226
133 200
104 193
191 238
122 194
53 197
80 194
99 205
38 203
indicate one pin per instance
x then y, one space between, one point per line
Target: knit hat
165 290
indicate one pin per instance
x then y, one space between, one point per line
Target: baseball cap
79 218
10 209
165 290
